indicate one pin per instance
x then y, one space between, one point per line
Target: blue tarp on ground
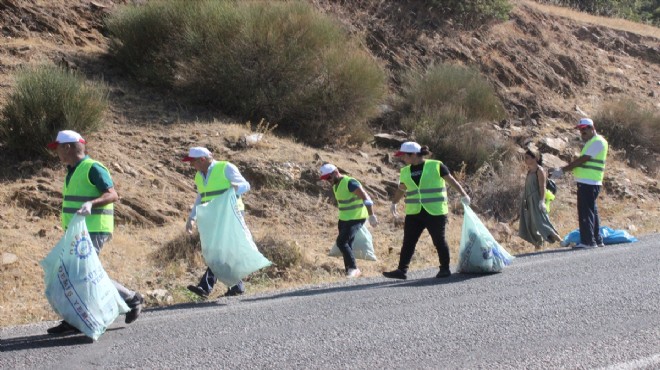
610 236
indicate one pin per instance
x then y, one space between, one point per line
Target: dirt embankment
544 67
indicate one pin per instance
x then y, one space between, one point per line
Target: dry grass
614 23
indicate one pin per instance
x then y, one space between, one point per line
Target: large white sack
227 244
363 246
77 286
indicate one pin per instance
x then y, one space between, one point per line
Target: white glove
85 209
557 173
541 206
373 220
393 210
189 226
465 200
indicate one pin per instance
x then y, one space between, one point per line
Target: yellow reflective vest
594 168
80 190
431 194
216 184
351 207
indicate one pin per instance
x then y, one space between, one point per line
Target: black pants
347 231
412 230
588 214
208 281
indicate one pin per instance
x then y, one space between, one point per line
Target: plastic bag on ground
77 287
363 246
610 236
479 251
227 244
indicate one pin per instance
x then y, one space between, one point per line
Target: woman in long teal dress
535 226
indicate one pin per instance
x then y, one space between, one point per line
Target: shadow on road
46 341
311 292
185 306
455 278
550 251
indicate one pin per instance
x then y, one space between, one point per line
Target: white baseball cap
66 136
585 122
197 152
408 147
327 170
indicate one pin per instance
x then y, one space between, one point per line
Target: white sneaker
353 273
564 244
600 245
584 246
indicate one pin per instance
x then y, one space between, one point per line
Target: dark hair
423 151
536 155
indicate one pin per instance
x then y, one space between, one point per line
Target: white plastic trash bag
479 251
363 246
227 244
77 286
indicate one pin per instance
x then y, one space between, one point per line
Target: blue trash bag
77 287
610 236
479 251
363 246
227 244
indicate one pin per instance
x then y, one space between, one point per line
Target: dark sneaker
63 328
232 292
396 274
199 291
136 307
443 273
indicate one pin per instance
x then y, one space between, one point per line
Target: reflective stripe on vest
351 207
431 193
594 168
216 185
81 190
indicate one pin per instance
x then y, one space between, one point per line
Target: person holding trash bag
423 183
89 191
535 226
212 179
355 206
588 170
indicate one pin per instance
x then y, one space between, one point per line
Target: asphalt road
595 308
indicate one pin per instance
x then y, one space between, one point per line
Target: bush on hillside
629 126
636 10
45 100
471 13
282 61
447 108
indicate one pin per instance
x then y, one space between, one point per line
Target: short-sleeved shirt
595 149
353 184
98 176
417 169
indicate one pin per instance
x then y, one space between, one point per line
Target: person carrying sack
212 179
355 206
423 183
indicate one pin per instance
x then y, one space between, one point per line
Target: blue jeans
588 214
208 280
347 231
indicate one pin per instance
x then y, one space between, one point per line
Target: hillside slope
543 66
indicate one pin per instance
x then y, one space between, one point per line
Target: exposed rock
552 161
389 140
160 296
552 145
8 258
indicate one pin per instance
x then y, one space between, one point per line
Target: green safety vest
431 192
351 207
216 185
549 197
594 168
81 190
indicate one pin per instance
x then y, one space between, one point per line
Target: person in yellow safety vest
212 179
588 170
534 225
89 191
423 183
355 206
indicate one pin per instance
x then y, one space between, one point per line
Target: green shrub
635 10
629 126
282 61
447 108
45 100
